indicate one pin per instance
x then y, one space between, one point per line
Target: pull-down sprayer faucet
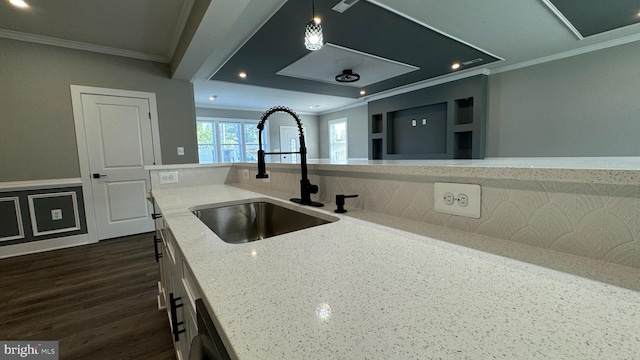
306 188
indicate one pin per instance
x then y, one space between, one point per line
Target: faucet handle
262 171
340 203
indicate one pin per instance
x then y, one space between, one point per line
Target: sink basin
253 221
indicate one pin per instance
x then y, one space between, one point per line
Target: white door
119 145
290 141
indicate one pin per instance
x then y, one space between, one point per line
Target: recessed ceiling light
212 97
242 74
19 3
455 66
362 92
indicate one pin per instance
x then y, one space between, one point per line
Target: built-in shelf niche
376 149
463 111
376 124
463 145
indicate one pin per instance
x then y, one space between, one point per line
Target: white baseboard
33 247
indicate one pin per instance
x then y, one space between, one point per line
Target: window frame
242 142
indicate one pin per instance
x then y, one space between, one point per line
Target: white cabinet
176 291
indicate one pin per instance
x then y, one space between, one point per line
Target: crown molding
392 10
46 40
177 33
358 102
570 53
463 74
562 18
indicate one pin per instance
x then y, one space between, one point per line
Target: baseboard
33 247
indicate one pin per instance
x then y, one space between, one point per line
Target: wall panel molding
40 213
7 230
38 184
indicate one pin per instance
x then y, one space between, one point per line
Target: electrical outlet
168 177
180 150
245 174
56 214
457 199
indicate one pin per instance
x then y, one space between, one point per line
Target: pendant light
313 32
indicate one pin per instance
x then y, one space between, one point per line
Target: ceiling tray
324 64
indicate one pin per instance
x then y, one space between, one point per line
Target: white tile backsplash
597 221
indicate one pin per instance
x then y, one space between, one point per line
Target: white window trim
218 144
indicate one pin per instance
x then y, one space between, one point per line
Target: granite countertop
354 289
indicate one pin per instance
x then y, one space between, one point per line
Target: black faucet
306 188
340 203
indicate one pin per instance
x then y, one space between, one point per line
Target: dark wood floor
98 301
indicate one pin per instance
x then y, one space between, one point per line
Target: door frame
346 133
289 127
81 140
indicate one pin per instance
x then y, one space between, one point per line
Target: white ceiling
521 32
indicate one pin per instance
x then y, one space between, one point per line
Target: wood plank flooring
98 300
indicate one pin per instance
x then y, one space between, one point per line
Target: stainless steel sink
253 221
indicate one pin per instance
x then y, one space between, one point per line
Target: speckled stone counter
599 170
354 289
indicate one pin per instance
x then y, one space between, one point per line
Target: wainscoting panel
42 208
28 214
11 225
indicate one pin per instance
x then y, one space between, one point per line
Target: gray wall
310 122
586 105
357 132
37 134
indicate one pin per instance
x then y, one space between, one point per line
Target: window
206 142
338 140
222 140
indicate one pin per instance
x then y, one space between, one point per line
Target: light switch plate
466 199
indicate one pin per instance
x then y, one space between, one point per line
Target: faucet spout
306 188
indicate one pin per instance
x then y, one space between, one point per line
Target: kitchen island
355 289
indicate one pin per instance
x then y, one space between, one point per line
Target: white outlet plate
180 150
56 214
472 192
168 177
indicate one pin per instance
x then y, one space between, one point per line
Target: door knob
98 176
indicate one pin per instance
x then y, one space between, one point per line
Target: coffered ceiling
215 39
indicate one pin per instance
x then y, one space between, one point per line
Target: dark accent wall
454 125
32 219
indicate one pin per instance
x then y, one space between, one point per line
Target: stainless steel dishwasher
207 345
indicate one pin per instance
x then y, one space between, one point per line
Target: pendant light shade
313 32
